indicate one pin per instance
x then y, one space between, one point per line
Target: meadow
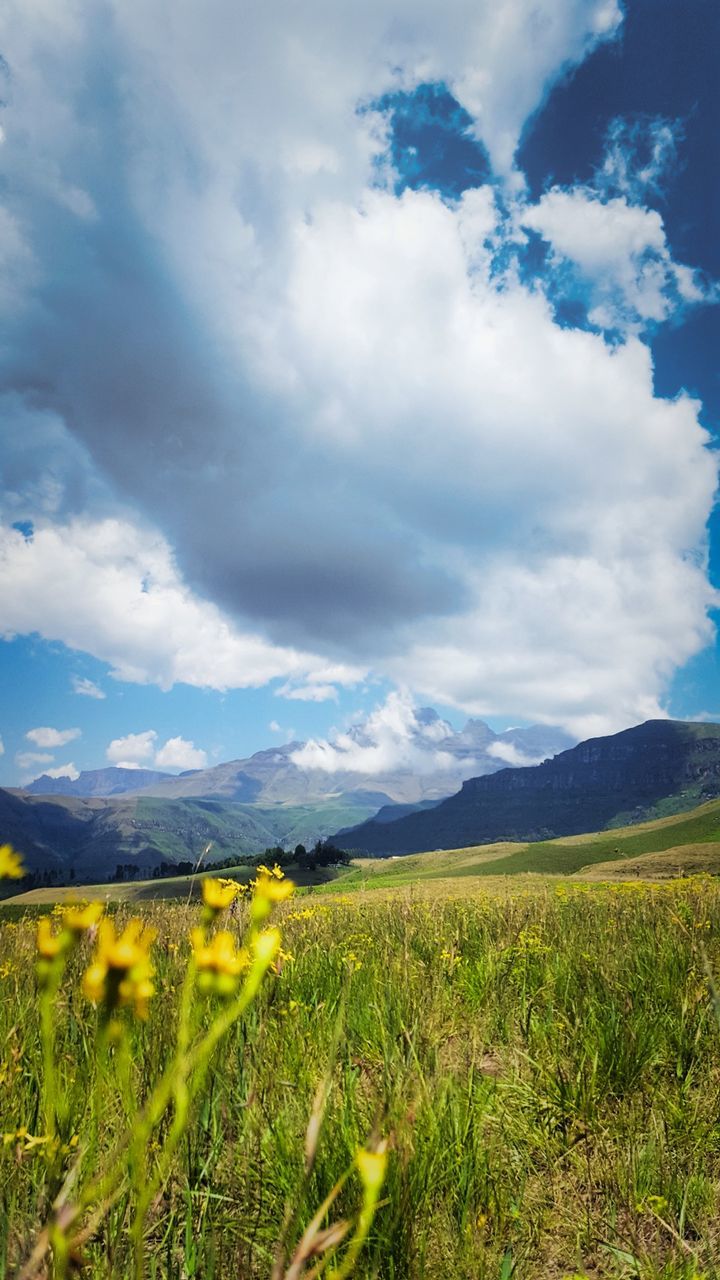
540 1060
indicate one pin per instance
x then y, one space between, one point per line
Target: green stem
194 1061
47 1029
146 1191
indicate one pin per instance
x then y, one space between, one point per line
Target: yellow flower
11 866
79 919
220 954
266 946
49 944
219 962
121 970
219 893
371 1166
269 887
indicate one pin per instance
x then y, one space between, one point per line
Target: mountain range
434 762
652 770
142 817
655 769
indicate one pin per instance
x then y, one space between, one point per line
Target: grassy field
543 1060
176 888
684 844
687 843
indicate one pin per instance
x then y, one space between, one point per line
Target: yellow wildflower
81 918
269 887
49 944
11 866
121 970
371 1166
266 946
218 893
219 962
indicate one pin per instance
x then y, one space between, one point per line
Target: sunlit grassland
543 1058
682 844
186 887
689 842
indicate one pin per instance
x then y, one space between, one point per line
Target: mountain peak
600 783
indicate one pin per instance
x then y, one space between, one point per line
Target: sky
353 358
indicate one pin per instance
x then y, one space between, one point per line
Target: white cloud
591 637
140 750
391 737
2 747
111 589
134 749
64 771
27 759
308 692
179 753
512 755
87 688
380 449
622 253
47 737
640 156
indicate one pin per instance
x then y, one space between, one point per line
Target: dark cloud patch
260 521
335 594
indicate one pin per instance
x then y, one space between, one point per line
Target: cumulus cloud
179 753
139 750
2 747
392 737
616 246
64 771
28 759
622 254
132 750
378 448
112 588
87 688
47 737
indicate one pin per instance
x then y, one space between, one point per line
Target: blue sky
343 358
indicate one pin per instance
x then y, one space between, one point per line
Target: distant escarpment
657 768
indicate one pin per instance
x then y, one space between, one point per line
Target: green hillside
655 769
683 844
697 832
90 836
169 887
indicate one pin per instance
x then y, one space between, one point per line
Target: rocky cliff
662 766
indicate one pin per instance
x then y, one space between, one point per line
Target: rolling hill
684 844
89 837
681 845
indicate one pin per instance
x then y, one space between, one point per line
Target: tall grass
545 1063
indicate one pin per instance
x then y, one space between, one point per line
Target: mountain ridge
443 758
620 778
110 781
